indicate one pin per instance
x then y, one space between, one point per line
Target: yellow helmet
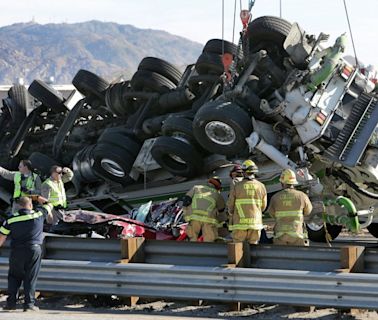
288 177
249 166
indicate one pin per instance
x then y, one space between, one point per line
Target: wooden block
307 309
352 258
130 301
123 261
198 303
132 250
357 312
235 306
235 254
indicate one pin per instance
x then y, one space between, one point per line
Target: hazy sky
200 20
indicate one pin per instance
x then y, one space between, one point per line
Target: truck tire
201 83
175 126
318 233
177 157
114 100
178 99
143 80
269 33
209 63
49 97
19 94
373 229
82 165
161 67
90 85
213 162
42 163
121 139
220 46
112 163
221 127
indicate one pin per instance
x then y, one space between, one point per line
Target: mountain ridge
38 51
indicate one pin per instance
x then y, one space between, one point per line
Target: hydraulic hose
350 221
347 204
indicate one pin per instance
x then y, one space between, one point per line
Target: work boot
31 308
9 308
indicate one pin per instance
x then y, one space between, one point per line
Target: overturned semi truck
281 97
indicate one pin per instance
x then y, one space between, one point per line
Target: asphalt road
78 315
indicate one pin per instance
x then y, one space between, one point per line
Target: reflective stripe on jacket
288 208
29 184
57 195
206 204
246 203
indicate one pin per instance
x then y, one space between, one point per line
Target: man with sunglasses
53 190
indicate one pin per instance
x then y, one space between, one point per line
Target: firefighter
236 174
26 182
246 203
53 190
288 207
203 208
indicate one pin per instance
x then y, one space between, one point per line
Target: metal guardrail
341 290
82 249
185 253
295 258
322 259
371 260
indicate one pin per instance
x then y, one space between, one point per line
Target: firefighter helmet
216 182
236 168
288 177
249 166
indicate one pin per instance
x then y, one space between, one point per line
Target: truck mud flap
352 140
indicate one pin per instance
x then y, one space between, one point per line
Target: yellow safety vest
57 193
288 207
293 221
248 206
30 184
203 204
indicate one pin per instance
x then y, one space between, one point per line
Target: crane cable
222 27
351 35
233 27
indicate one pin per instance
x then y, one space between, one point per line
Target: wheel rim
220 133
177 158
315 226
112 167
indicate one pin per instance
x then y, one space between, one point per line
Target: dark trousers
24 265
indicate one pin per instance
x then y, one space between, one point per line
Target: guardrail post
238 257
352 260
132 251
